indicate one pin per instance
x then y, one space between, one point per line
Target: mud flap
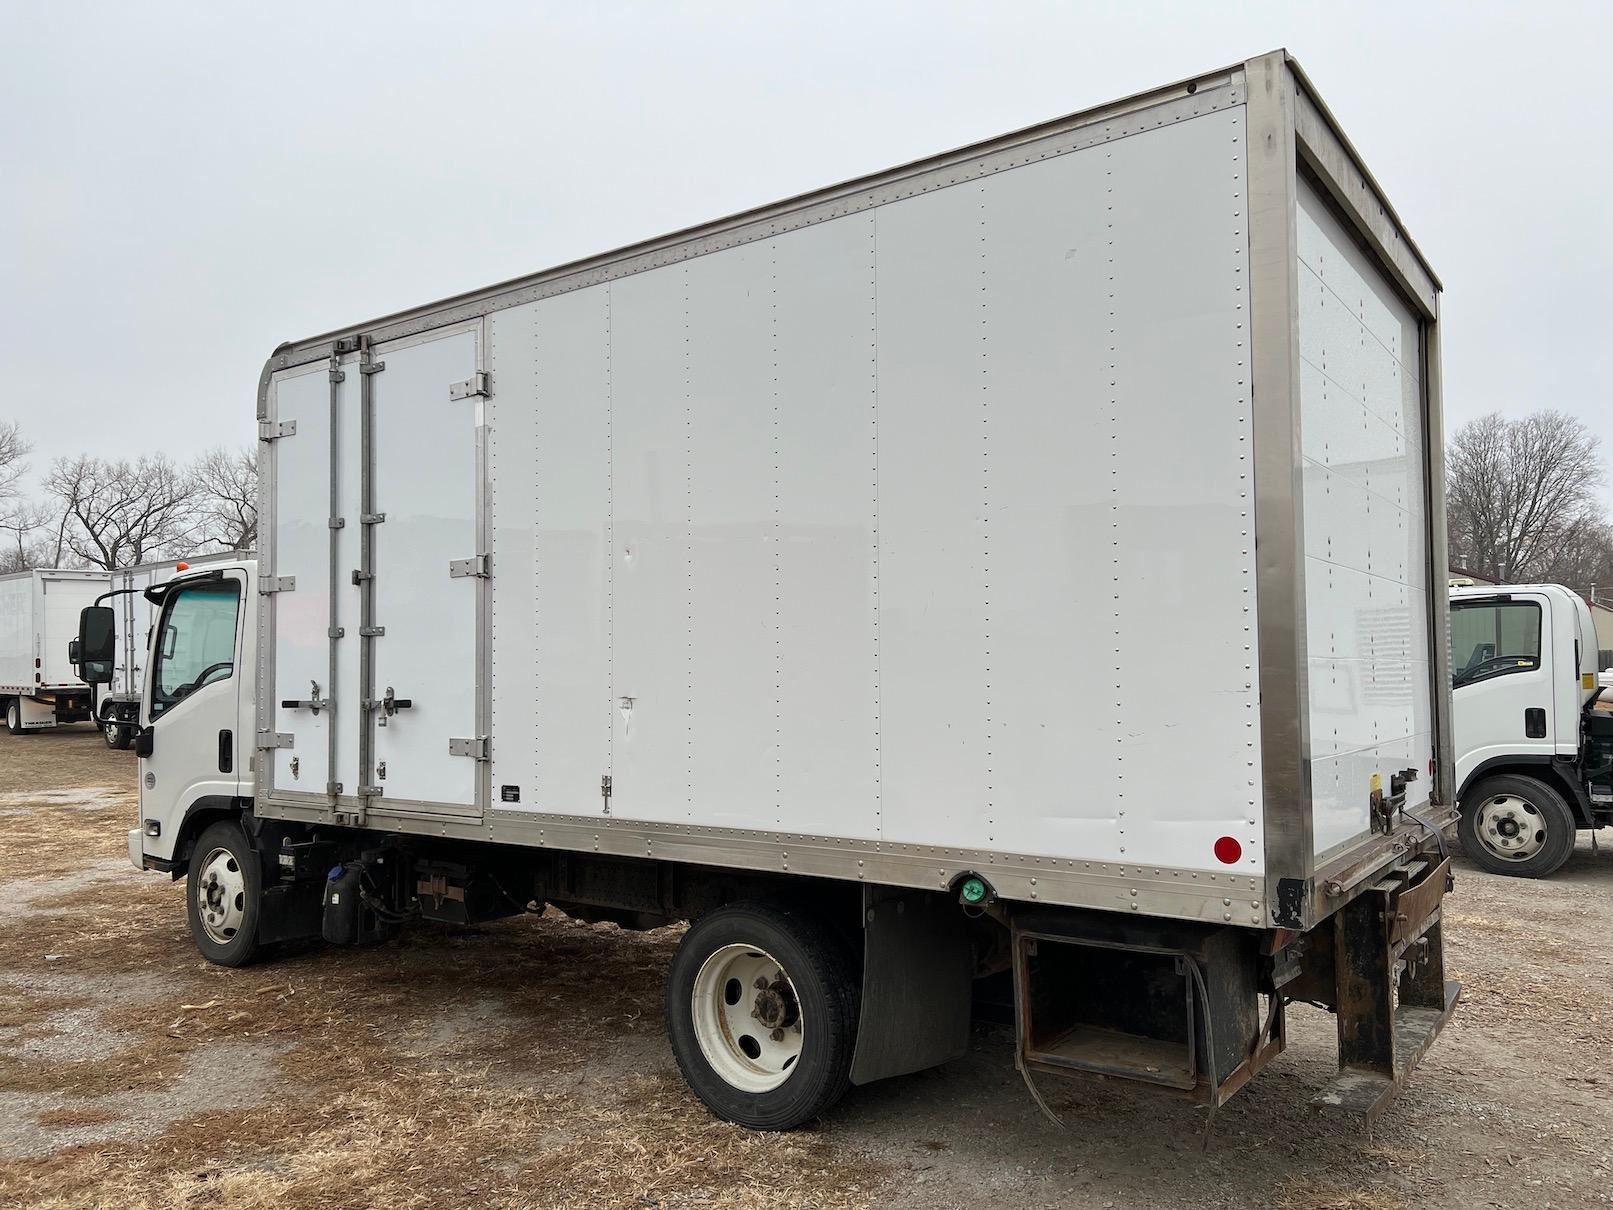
291 911
918 972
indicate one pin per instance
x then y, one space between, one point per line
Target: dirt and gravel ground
522 1064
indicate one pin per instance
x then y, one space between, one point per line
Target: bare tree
1583 559
1520 492
27 526
13 449
117 514
19 519
227 497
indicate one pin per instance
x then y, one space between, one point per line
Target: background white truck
821 575
1534 747
39 612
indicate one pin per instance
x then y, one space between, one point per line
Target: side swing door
191 745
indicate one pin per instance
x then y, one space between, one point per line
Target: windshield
1493 638
196 645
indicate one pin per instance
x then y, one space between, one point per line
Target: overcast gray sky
183 186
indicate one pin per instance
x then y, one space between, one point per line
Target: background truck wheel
1516 825
223 895
762 1014
117 735
14 716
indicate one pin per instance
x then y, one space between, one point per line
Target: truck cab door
1502 679
192 746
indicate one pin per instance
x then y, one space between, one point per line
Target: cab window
1493 638
196 645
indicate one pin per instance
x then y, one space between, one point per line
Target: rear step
1365 1093
1389 990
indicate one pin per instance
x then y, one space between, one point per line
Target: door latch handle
313 705
1534 723
389 704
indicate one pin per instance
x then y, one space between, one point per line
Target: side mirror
143 742
97 644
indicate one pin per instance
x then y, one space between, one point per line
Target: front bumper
137 852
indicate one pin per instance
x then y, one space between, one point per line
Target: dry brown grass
495 1116
1313 1195
69 1116
501 1065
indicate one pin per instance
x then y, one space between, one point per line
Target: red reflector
1228 850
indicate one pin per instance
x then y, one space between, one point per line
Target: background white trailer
38 619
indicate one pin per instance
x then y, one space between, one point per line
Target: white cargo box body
38 618
1062 509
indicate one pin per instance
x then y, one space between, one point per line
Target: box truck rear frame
1353 926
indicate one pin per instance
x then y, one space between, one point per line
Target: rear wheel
762 1015
223 894
1517 825
14 716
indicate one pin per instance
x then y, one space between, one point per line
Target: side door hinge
273 430
478 383
273 584
476 749
476 566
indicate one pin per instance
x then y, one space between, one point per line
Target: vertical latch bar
333 632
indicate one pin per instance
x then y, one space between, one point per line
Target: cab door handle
1534 723
226 751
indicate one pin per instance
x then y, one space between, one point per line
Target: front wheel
223 895
118 736
1516 825
762 1014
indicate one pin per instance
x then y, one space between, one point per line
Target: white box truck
39 612
823 575
1534 740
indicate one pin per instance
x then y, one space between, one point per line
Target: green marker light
973 890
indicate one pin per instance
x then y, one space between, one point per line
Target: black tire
228 838
824 982
14 717
1534 800
118 737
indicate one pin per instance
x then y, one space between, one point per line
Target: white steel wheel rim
221 896
1510 827
747 1018
110 727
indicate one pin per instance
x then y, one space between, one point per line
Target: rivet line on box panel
873 407
778 547
985 512
688 555
1114 485
610 547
